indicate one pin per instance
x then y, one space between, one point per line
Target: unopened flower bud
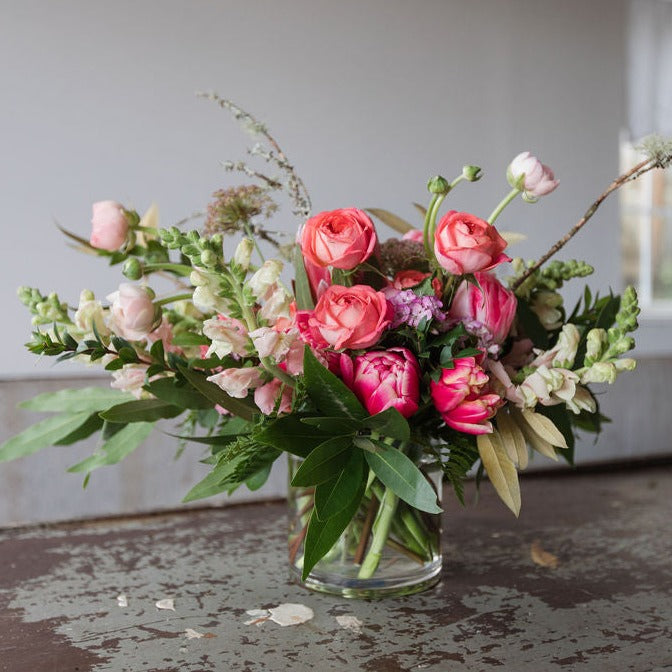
625 364
438 185
472 173
600 372
264 278
132 269
243 253
530 176
596 341
208 258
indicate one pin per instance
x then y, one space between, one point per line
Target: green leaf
91 425
330 394
323 534
168 390
40 435
500 469
214 483
111 428
122 444
402 476
304 297
157 351
332 426
560 417
216 395
324 462
607 315
531 325
389 423
289 434
86 399
334 495
257 480
393 221
188 338
141 410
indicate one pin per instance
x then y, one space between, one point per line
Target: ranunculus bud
341 238
472 173
463 243
531 176
132 269
133 313
384 379
109 226
438 185
492 306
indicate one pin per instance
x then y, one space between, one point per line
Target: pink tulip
531 175
460 398
109 226
384 379
492 306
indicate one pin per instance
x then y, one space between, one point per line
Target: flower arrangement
380 361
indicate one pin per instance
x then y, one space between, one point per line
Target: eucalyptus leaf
324 462
398 473
334 495
85 399
141 410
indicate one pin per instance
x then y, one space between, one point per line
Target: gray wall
368 99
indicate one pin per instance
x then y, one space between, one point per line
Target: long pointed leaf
141 410
501 471
336 494
393 221
323 463
304 297
289 434
89 399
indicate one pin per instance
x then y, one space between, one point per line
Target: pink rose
266 397
529 174
464 243
109 226
133 313
384 379
410 278
492 306
340 238
460 398
346 317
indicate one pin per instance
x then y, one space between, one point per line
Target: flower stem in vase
381 530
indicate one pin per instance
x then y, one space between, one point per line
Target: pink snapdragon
238 382
461 398
384 379
271 394
228 335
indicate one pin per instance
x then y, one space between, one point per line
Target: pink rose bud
492 306
133 313
463 243
346 317
340 238
410 278
460 398
384 379
530 175
109 226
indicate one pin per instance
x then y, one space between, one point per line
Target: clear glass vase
371 559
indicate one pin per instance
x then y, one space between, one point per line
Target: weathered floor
607 605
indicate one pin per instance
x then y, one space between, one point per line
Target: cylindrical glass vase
389 549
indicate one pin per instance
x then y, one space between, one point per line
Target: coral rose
464 243
109 226
340 238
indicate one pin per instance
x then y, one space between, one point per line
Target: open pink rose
109 226
133 312
531 175
384 379
340 238
492 306
460 398
346 317
463 243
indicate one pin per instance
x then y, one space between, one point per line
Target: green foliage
76 400
141 410
560 416
304 297
456 458
531 325
324 461
335 494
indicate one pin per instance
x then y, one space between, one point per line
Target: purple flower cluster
411 309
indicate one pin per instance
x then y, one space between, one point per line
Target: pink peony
459 397
340 238
492 306
346 317
133 313
384 379
109 226
464 243
531 176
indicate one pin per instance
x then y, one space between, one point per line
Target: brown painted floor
606 606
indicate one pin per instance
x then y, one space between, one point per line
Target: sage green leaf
389 423
304 297
500 469
289 434
91 425
323 534
122 444
216 395
184 396
324 462
421 209
393 221
141 410
86 399
40 435
214 483
329 393
332 496
398 473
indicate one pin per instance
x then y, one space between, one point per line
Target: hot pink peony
340 238
531 175
346 317
463 243
459 397
492 306
384 379
109 226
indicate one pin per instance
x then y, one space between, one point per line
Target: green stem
381 530
427 239
253 238
180 269
502 204
176 297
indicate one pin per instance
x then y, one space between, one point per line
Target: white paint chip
168 603
349 622
122 600
193 634
259 616
291 614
